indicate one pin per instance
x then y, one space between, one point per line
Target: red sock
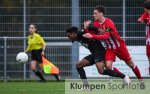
116 70
137 72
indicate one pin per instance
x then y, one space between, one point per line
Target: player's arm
86 25
28 47
43 49
42 42
104 36
86 31
142 19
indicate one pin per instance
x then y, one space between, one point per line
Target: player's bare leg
134 68
126 78
79 67
36 71
100 67
81 72
136 71
109 66
149 64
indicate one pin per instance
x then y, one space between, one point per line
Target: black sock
37 73
82 75
56 76
112 73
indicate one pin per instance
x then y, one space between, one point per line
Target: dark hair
147 4
100 8
72 29
35 26
92 28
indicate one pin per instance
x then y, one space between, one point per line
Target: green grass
32 88
59 88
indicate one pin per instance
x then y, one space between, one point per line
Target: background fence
52 18
56 52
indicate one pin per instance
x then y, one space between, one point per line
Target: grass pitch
32 88
59 88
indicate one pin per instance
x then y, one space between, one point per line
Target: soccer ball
22 57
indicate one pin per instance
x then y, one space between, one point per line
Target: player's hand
140 20
86 24
43 53
87 35
26 51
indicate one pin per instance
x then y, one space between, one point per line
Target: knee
33 68
78 65
108 67
100 71
130 64
33 65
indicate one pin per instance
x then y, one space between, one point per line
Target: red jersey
112 39
145 18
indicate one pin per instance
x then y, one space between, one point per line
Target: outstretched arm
86 25
105 36
142 19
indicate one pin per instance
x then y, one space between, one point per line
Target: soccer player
145 18
115 45
36 45
96 57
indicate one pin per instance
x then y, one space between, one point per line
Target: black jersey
93 45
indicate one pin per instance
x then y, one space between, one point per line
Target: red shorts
121 52
148 50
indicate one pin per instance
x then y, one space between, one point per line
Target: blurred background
52 18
